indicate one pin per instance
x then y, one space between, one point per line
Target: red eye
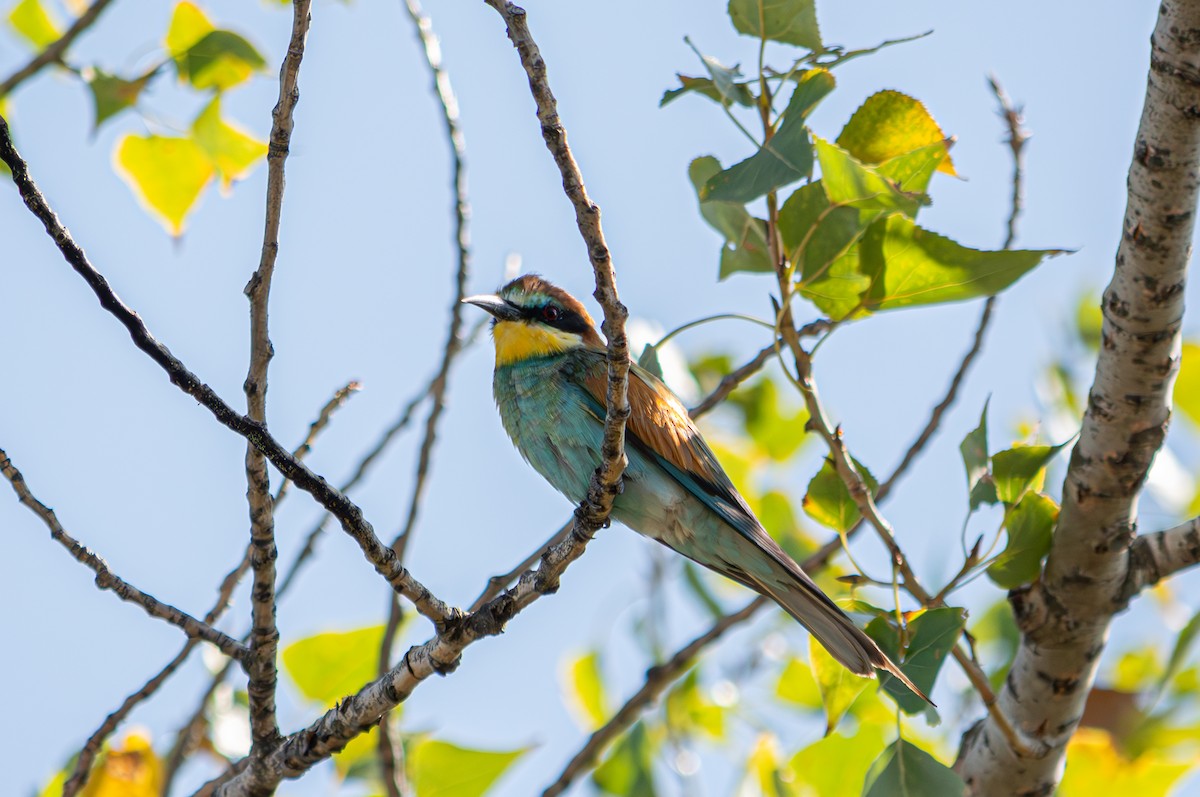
550 314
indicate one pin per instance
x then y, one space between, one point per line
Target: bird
550 383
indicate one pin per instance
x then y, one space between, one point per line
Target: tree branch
54 52
346 511
1156 556
389 753
264 634
1064 618
108 580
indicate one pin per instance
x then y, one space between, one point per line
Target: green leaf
975 454
848 182
820 238
1030 525
839 687
327 667
745 247
1019 468
688 710
889 124
583 682
359 758
1095 765
1089 320
931 636
441 769
1187 384
764 770
774 509
837 284
34 24
776 431
785 158
798 685
905 770
921 268
913 171
737 92
828 501
112 94
836 766
1180 651
724 78
233 151
188 25
221 59
166 174
628 770
787 21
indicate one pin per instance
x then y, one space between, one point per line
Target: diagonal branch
346 511
54 52
106 579
1065 617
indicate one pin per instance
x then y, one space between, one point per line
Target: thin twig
107 580
262 672
346 511
442 653
186 736
389 753
53 53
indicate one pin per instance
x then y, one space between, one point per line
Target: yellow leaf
1095 766
233 151
166 174
888 124
131 770
33 22
583 685
188 26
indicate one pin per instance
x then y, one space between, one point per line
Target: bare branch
106 579
1156 556
346 511
264 635
1064 618
54 52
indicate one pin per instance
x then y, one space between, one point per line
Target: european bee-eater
550 381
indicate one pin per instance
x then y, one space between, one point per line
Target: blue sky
142 473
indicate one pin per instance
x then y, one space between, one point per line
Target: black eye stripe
558 317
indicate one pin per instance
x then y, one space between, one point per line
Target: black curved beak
500 309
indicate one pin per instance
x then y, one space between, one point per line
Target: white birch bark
1065 617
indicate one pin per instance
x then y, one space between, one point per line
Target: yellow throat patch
517 341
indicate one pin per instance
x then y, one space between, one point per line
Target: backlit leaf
785 158
787 21
764 769
836 766
1180 651
905 770
233 151
798 685
441 769
913 171
628 769
828 501
130 769
583 683
33 22
221 59
847 181
745 247
919 267
112 94
359 759
329 666
889 124
931 636
166 174
689 711
1096 766
1019 468
1030 525
737 92
839 687
188 25
975 454
1187 384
